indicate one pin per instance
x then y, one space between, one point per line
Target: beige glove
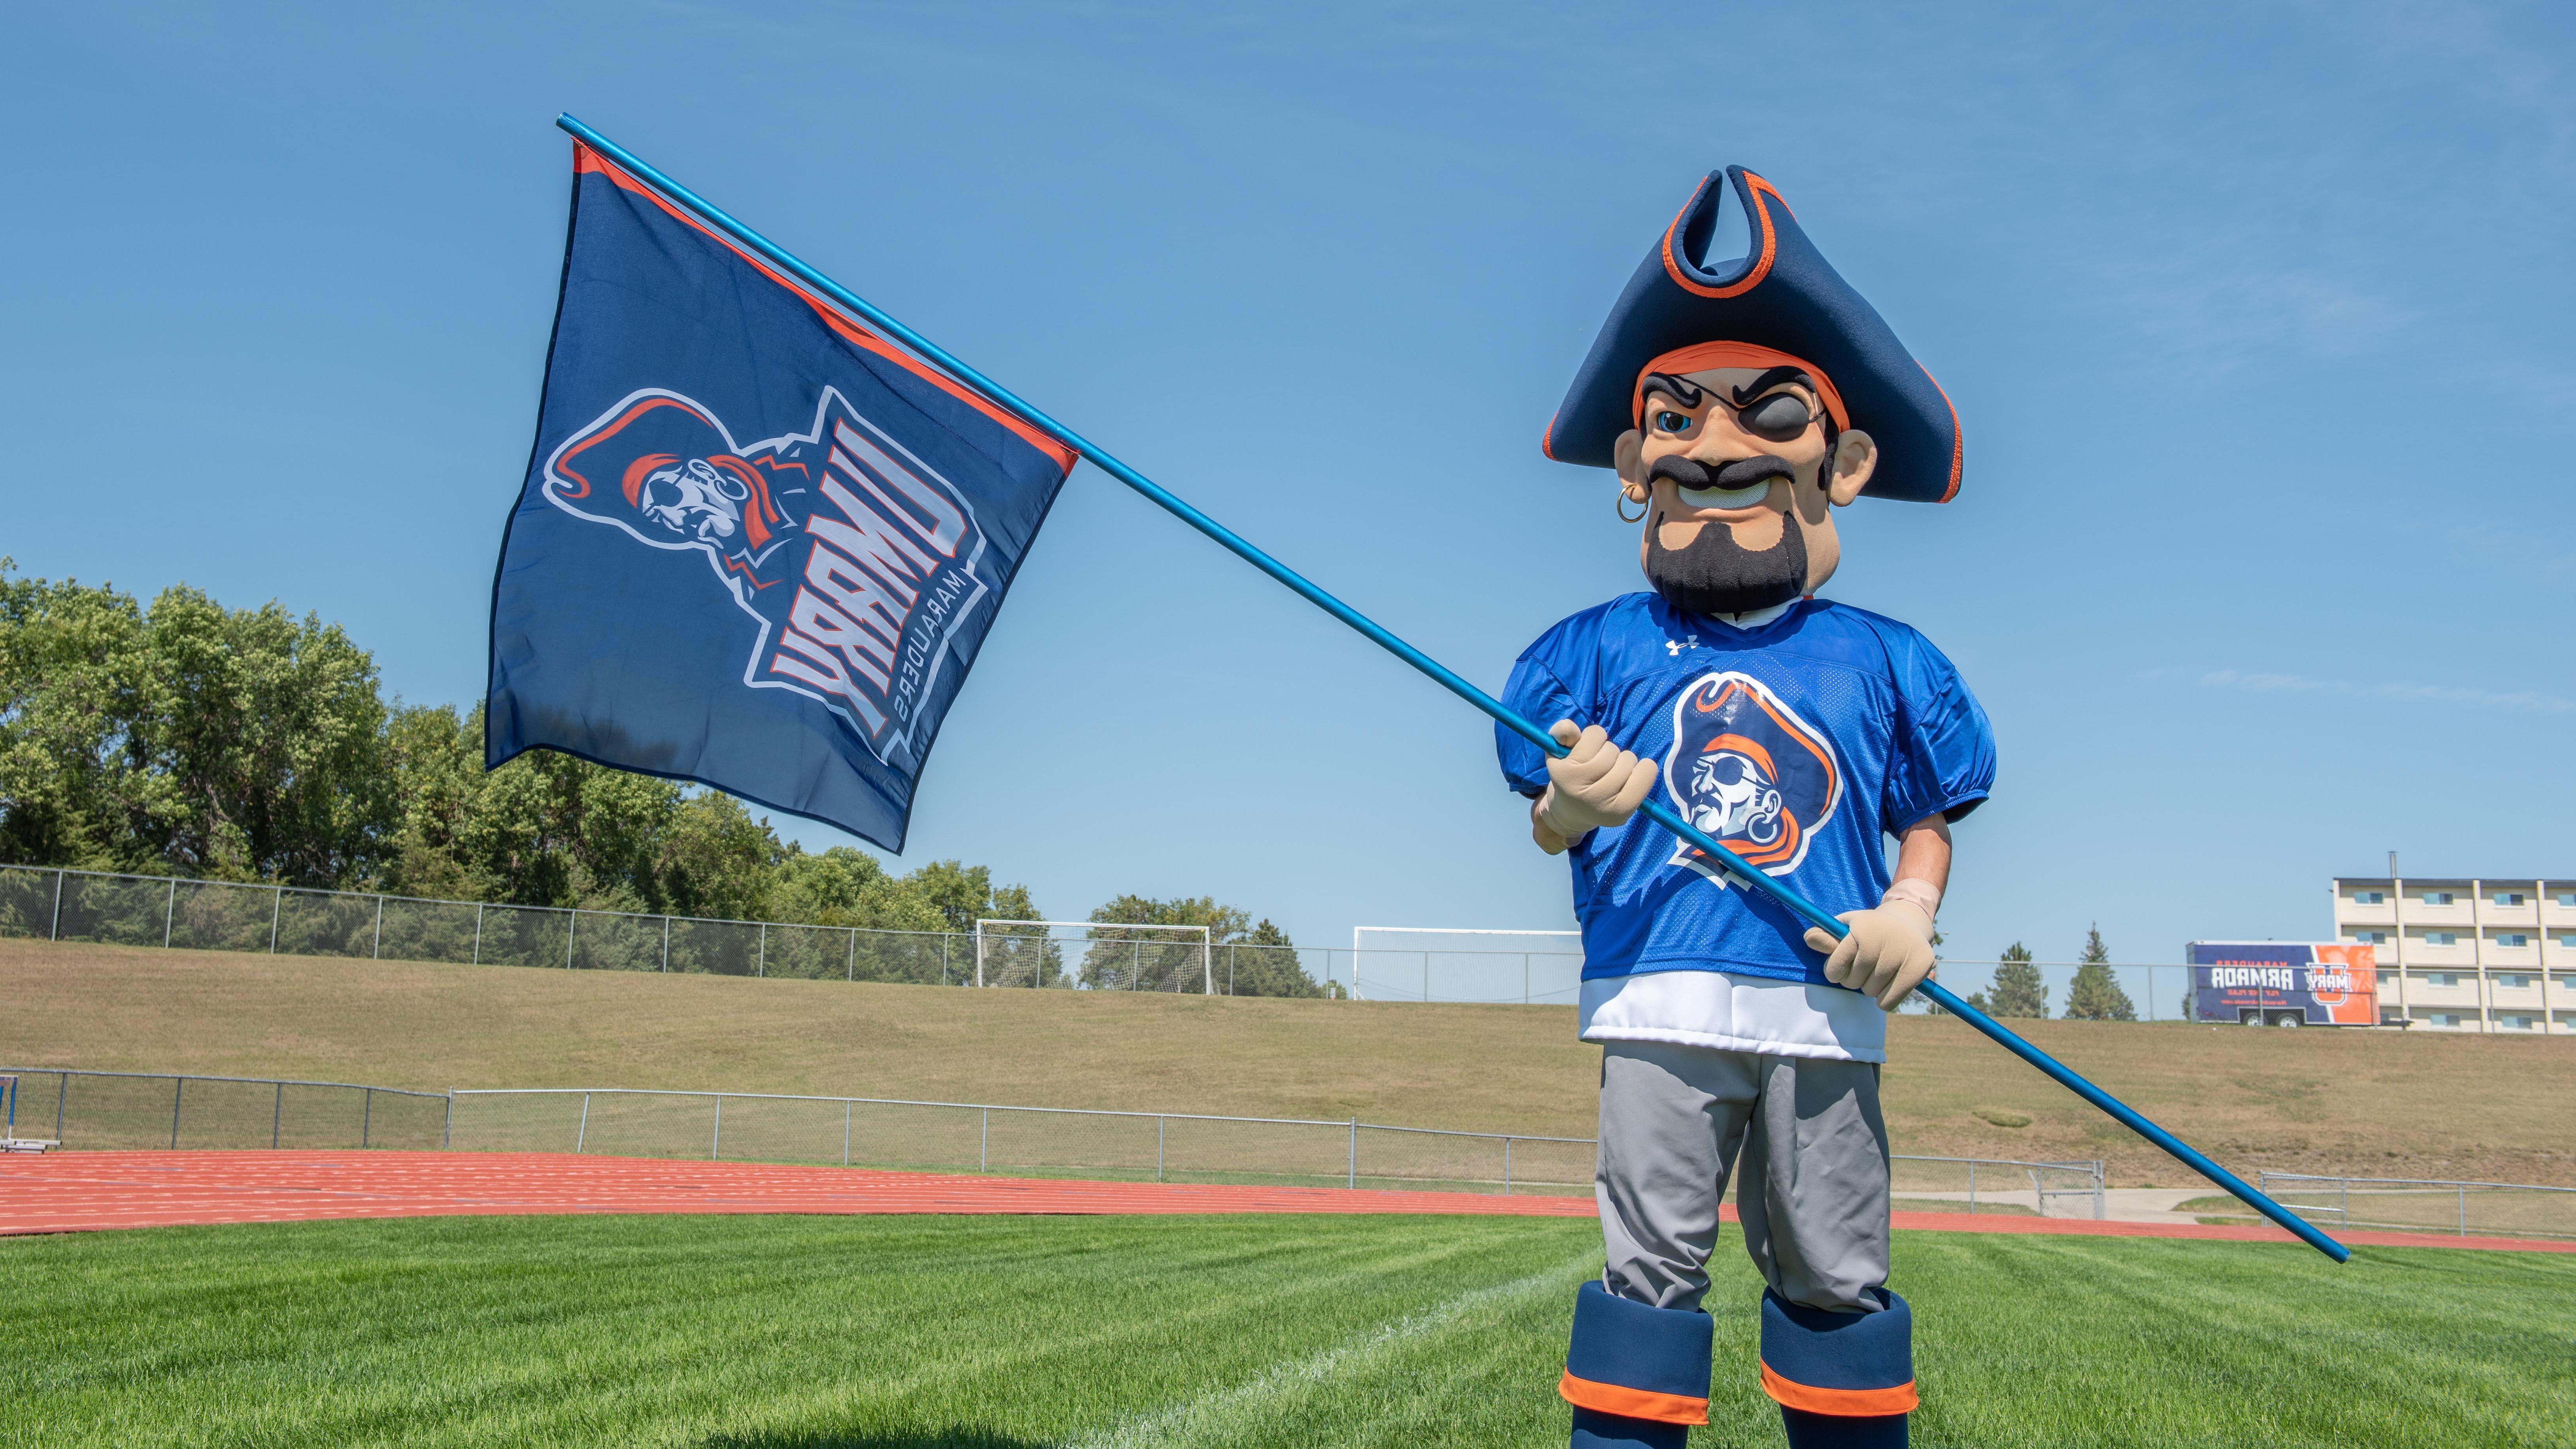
1889 950
1595 784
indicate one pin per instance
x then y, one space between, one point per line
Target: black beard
1712 574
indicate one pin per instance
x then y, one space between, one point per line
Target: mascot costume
1742 402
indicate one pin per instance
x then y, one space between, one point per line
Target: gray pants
1813 1193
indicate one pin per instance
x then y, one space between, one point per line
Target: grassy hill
2381 1103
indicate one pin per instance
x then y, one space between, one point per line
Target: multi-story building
2467 955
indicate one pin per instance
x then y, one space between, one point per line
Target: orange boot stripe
1632 1403
1845 1403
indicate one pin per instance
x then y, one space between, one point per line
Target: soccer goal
1436 963
1094 956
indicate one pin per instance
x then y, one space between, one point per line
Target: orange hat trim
1702 356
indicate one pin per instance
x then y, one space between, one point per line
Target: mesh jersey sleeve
1535 693
1944 762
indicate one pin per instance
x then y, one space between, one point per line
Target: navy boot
1637 1376
1842 1380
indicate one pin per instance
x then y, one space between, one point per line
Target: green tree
2095 994
2017 988
1261 957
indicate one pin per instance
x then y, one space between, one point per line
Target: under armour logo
1674 647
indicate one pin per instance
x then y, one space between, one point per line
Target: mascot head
1741 401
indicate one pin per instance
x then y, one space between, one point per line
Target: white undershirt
1736 1013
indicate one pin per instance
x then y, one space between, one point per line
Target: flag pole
1655 810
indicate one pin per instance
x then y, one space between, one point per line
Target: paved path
78 1191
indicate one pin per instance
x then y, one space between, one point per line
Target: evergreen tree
2096 994
2017 989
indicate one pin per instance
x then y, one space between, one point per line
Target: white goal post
1099 940
1505 965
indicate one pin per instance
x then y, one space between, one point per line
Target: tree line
2094 994
184 738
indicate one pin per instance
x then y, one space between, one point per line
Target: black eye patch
1781 415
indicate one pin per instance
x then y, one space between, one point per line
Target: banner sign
757 545
2260 982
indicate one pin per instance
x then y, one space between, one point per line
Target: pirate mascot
1741 402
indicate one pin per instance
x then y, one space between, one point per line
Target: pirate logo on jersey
859 560
1747 770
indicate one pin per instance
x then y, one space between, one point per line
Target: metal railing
103 1110
2039 1184
2428 1205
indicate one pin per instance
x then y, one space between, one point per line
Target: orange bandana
1701 357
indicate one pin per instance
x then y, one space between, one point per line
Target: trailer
2285 983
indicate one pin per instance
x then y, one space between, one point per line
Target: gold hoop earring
1619 505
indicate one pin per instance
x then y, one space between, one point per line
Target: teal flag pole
1655 810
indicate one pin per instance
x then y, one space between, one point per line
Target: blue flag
758 546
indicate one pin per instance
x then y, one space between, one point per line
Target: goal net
1093 956
1431 963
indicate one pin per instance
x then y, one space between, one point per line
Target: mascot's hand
1887 954
1594 785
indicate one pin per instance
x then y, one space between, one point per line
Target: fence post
715 1144
62 1089
1972 1185
1507 1148
54 932
850 972
666 943
277 1117
2101 1207
2464 1209
169 915
379 952
1355 1152
179 1089
367 1120
447 1128
984 1145
572 918
478 933
581 1134
762 967
845 1134
1158 1148
277 907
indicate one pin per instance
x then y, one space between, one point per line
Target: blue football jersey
1799 745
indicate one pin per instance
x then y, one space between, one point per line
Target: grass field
1087 1333
2405 1106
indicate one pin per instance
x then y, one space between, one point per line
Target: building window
2370 898
2508 898
2371 938
2437 898
2516 1023
2512 938
2441 938
2440 1018
2515 983
2567 898
2440 978
2567 939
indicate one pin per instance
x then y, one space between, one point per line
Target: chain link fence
2424 1205
82 1110
1021 1141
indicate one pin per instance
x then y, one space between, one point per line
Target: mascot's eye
1672 422
1781 415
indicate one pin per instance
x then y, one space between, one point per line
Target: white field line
1220 1415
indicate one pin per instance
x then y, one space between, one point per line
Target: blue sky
2257 318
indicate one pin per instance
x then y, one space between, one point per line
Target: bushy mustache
1742 473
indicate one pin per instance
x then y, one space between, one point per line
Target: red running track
78 1191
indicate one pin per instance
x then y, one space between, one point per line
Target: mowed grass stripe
1011 1333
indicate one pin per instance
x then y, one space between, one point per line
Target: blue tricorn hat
1784 298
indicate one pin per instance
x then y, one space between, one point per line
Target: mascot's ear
1626 454
1855 459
